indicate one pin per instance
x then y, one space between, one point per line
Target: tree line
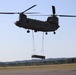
39 62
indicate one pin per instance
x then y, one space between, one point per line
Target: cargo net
34 48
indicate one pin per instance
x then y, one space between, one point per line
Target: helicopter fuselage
45 26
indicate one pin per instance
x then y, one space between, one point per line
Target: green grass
42 67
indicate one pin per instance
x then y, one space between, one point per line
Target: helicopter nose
16 23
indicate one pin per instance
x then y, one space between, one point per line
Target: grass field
42 67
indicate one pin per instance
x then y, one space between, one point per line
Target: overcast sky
17 44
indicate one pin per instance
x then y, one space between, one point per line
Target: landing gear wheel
54 32
35 30
28 31
46 33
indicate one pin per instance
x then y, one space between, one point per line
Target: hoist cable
34 48
42 47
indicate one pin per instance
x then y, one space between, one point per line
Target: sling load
34 48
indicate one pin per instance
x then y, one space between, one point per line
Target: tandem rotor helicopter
50 25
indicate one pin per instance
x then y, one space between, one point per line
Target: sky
17 44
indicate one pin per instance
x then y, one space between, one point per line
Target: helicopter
50 25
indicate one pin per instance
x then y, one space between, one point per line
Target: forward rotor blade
32 13
53 10
21 12
18 13
29 8
66 15
9 13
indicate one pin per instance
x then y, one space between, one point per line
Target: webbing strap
42 47
34 48
42 44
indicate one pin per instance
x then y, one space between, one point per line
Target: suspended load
38 56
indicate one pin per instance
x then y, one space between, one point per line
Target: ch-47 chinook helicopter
50 25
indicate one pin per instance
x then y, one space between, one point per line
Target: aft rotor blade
39 15
9 13
53 10
56 15
29 8
66 15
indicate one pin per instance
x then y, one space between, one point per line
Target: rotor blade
39 15
29 8
66 15
53 10
56 15
9 13
32 13
18 13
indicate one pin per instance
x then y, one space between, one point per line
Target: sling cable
34 48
